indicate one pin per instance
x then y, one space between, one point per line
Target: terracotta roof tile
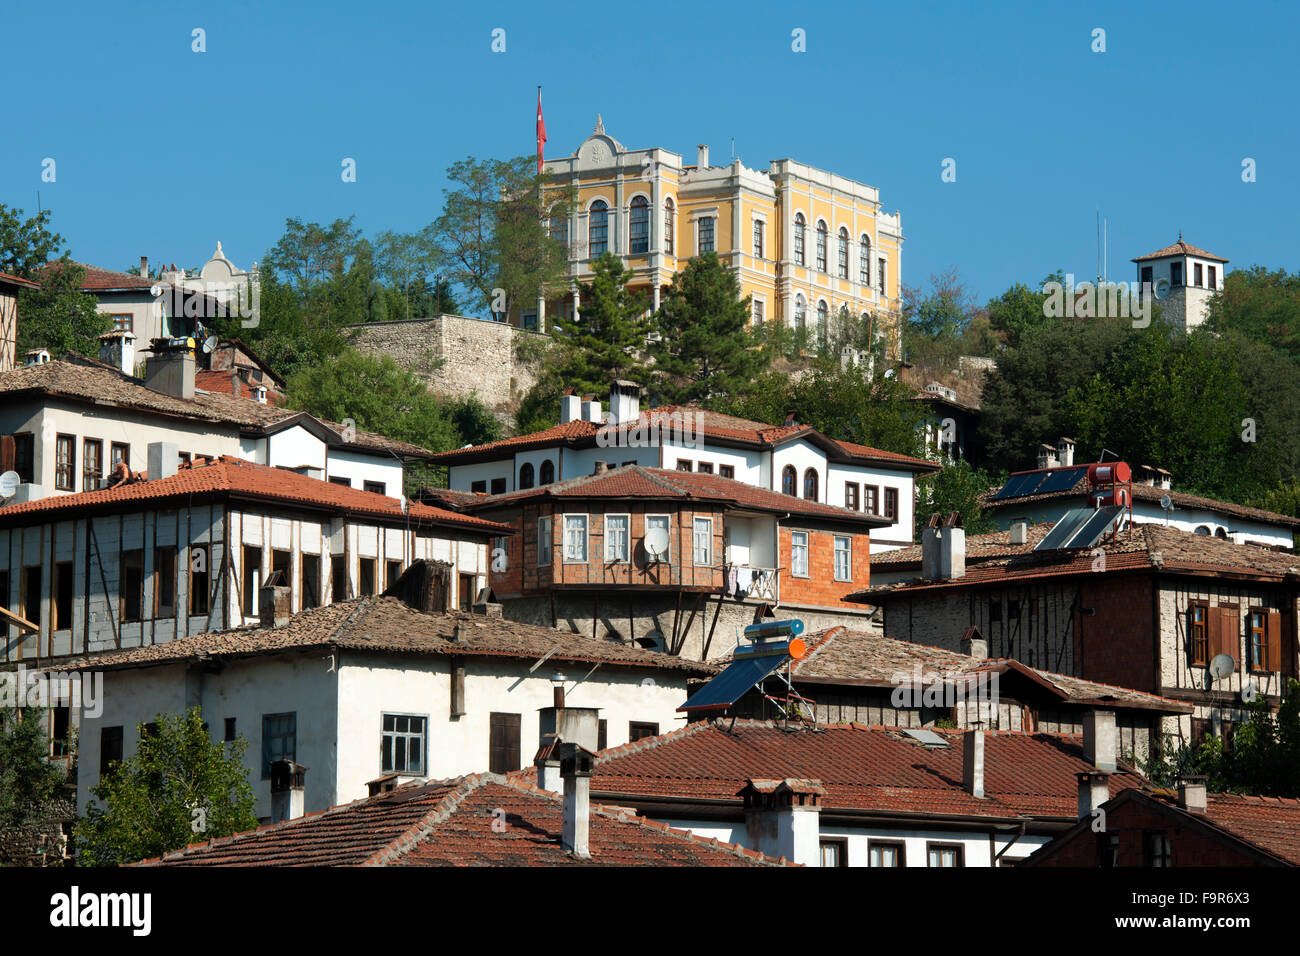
228 475
879 769
103 280
11 280
1180 248
451 823
386 625
635 481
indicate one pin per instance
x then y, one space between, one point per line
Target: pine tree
705 348
602 342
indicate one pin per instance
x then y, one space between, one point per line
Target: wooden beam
16 619
691 620
704 654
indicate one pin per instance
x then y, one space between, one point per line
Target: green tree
528 257
59 316
843 401
602 342
180 786
27 243
1261 304
29 783
404 259
1020 310
957 487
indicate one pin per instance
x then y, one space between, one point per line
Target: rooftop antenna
1098 245
733 149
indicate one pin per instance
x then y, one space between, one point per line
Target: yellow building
804 242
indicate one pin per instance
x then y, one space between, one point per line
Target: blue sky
161 151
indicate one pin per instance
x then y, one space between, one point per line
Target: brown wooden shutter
1273 640
8 448
1225 632
503 743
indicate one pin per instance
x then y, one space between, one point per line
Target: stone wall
460 356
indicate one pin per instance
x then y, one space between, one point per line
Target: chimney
1099 738
974 644
952 552
789 418
575 770
490 609
591 411
783 818
171 369
570 408
1094 790
1166 479
164 459
1046 456
275 601
144 267
547 763
1065 451
288 786
118 350
1191 794
624 402
558 725
600 468
37 356
931 544
972 762
1019 531
702 157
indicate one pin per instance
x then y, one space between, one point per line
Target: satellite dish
1222 666
889 373
8 484
209 344
656 542
1166 502
1162 288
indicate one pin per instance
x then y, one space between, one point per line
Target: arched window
547 474
1220 532
821 246
598 229
525 475
800 310
560 230
823 315
810 484
638 226
668 226
790 481
864 260
844 253
798 237
1202 529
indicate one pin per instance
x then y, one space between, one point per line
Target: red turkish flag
541 132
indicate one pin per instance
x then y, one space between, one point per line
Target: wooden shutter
8 451
503 743
1273 640
1225 632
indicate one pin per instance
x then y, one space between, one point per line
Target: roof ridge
402 844
648 743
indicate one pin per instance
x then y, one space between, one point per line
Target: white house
373 688
1183 279
67 425
791 459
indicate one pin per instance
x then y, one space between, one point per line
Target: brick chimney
275 601
974 644
171 369
1046 456
783 818
117 348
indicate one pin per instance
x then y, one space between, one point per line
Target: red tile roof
234 476
7 279
104 280
1150 493
714 425
876 769
635 481
1150 547
479 820
838 655
1180 248
387 625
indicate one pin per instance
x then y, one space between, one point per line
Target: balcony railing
747 581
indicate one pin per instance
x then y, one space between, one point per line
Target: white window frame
794 545
545 540
424 743
586 536
668 530
626 556
695 548
847 550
